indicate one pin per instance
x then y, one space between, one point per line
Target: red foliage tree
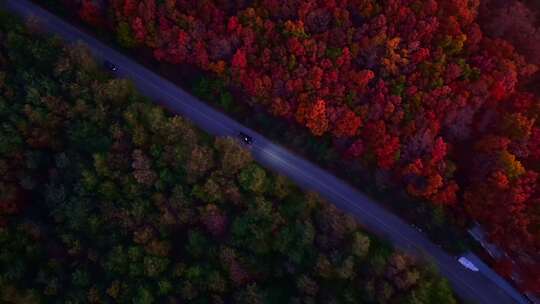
316 120
91 14
347 125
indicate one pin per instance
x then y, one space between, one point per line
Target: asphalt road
472 286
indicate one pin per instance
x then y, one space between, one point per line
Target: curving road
472 286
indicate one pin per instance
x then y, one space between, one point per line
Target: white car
467 264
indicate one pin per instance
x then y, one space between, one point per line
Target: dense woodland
438 94
106 198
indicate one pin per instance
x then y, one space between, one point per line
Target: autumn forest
439 96
106 198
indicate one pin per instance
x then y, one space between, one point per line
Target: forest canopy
441 95
107 198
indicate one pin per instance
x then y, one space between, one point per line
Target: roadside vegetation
437 100
107 198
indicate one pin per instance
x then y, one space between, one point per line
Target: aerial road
469 285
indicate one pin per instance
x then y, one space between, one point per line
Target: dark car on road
110 66
246 139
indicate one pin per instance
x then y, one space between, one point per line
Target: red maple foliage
91 13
